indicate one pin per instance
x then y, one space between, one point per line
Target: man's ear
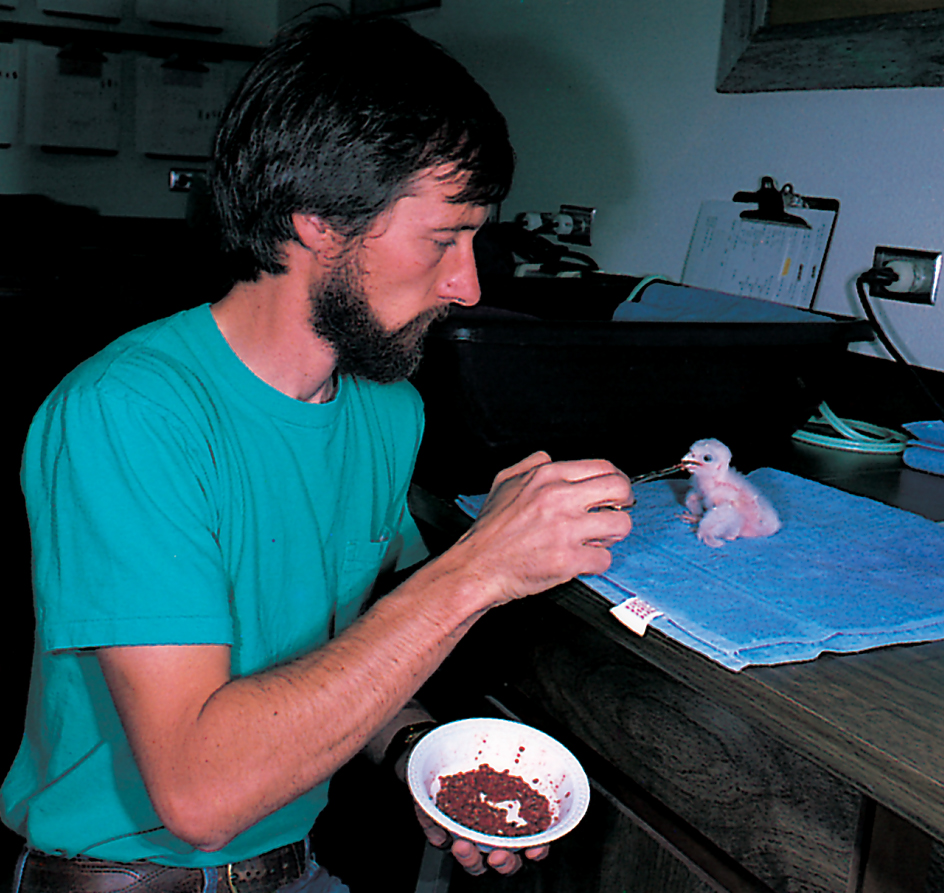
316 235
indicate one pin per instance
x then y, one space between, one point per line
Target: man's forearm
219 754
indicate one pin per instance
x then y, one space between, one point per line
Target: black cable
316 10
584 259
886 276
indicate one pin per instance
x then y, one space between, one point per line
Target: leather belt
43 873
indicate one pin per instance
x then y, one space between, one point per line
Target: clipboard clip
770 204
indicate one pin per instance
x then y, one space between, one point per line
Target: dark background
65 297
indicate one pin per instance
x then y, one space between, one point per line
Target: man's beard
341 315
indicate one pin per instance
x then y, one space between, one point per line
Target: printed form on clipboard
774 251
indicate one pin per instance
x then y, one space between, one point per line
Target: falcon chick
723 502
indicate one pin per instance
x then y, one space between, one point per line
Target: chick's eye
709 457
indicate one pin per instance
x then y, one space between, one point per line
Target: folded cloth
927 432
924 457
926 451
844 574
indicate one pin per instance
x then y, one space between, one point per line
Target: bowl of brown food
498 783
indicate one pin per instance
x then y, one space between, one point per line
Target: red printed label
635 613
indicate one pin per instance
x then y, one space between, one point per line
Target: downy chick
723 503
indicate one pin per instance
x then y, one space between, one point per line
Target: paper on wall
72 103
10 80
177 106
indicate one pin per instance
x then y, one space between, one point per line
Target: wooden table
814 776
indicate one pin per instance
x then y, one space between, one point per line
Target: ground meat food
467 798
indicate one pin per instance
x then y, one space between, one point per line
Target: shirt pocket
362 564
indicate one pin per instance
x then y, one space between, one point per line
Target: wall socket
578 232
918 274
573 223
179 180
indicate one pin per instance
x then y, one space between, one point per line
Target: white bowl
542 762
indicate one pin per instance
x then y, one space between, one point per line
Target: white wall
611 103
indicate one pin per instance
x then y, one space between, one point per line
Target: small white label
636 614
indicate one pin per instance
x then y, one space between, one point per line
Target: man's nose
462 283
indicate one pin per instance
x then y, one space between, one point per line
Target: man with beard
212 497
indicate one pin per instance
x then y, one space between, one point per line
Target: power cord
856 436
886 276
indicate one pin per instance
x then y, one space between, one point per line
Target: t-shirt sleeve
119 494
412 549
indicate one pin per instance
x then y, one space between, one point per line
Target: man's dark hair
334 120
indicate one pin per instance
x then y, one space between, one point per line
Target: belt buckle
229 878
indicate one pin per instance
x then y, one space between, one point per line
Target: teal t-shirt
175 498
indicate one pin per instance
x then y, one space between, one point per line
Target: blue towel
931 433
926 451
843 574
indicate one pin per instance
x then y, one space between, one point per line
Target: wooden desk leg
892 855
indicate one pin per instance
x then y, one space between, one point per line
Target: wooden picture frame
891 49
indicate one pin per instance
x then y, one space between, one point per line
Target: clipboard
769 244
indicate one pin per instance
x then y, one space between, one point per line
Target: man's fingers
475 863
468 856
592 482
504 861
583 469
522 467
545 522
590 485
437 836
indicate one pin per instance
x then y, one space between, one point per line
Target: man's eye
448 243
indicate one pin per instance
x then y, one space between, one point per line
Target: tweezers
655 475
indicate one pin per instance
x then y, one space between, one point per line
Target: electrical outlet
918 273
538 222
179 180
573 224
